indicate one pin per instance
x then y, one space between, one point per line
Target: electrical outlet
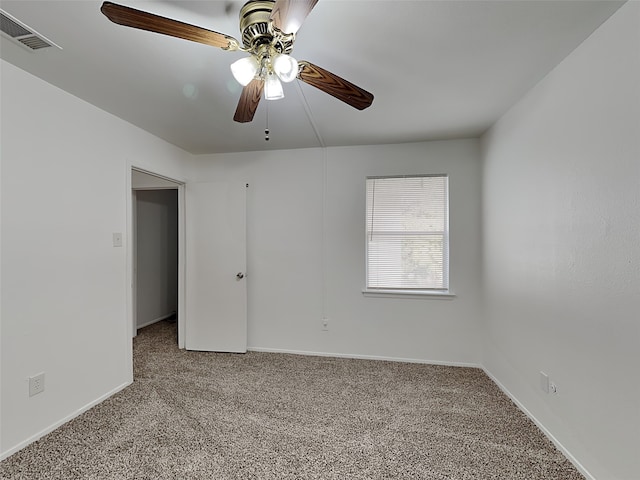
36 384
325 325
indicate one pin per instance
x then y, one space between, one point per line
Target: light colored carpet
194 415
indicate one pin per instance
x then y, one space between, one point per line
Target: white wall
157 255
562 249
303 265
65 187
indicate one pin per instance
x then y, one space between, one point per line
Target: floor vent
20 33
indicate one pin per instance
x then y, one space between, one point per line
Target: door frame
131 248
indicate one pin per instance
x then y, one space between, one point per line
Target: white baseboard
542 428
59 423
155 320
364 357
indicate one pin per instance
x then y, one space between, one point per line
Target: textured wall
64 286
306 251
562 249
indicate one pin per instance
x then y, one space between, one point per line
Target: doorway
157 251
156 236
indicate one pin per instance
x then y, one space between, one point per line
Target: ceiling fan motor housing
256 31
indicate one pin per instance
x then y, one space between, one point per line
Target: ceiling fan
268 30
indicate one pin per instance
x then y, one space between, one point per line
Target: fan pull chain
266 130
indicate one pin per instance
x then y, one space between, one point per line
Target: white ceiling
438 69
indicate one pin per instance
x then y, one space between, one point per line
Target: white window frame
444 293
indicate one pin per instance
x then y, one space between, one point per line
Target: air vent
23 35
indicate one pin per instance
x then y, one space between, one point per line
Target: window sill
424 294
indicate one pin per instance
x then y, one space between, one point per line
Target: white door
216 287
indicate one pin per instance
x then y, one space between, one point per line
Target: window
408 234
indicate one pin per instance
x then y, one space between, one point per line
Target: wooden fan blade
249 100
288 15
334 85
130 17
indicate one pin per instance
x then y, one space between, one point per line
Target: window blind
407 233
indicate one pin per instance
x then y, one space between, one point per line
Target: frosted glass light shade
286 67
273 87
245 69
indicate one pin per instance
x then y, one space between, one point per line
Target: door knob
240 276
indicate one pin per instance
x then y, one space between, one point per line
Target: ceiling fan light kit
286 67
268 29
272 87
264 65
245 69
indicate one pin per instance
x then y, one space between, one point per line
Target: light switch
544 382
117 239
